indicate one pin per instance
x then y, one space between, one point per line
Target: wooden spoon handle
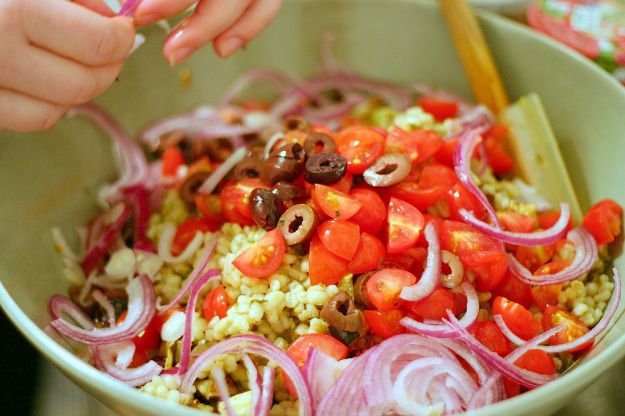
475 55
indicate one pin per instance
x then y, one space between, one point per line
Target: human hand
55 54
228 24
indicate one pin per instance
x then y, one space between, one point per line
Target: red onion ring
141 308
60 305
429 279
193 278
138 198
213 180
442 330
319 372
473 118
105 360
219 377
254 382
96 252
106 304
586 253
266 397
537 238
252 344
587 337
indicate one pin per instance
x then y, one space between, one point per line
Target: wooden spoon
532 141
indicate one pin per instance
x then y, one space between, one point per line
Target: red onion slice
266 397
60 306
252 344
429 279
254 382
320 372
442 330
105 359
141 308
537 238
212 181
193 277
219 377
106 304
586 253
333 112
138 198
102 245
166 240
473 118
587 337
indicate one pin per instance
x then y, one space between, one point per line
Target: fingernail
146 19
179 55
229 46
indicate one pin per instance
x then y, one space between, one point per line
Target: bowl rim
95 379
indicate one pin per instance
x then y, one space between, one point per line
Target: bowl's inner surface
50 178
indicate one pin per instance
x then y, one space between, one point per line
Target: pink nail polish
229 46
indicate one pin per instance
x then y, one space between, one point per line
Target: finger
211 18
77 33
150 11
22 113
97 6
256 18
49 77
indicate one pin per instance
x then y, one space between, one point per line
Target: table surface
58 396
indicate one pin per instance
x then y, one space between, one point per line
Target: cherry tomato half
187 230
371 216
216 303
434 306
405 223
325 266
499 158
517 222
546 295
489 334
340 237
369 254
334 203
361 146
532 257
383 287
574 328
421 198
537 361
384 324
517 318
515 290
604 221
172 159
441 109
232 203
149 339
264 258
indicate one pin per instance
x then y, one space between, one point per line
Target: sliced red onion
138 198
429 279
212 181
106 359
586 253
252 344
587 337
266 397
193 277
60 306
473 118
141 308
60 244
219 377
271 143
254 382
166 240
537 238
320 371
442 329
106 304
96 252
333 112
192 124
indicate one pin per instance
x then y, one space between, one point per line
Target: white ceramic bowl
50 178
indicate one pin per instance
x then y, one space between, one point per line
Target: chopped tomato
369 254
537 361
574 328
553 267
546 295
210 209
439 108
340 237
515 290
513 388
172 159
498 131
335 203
232 205
384 324
405 223
361 146
187 230
414 194
604 221
371 216
516 222
242 191
411 260
149 338
300 350
446 153
345 184
548 219
435 174
383 288
325 266
264 258
434 306
216 303
499 158
458 198
489 334
418 145
517 318
489 276
534 257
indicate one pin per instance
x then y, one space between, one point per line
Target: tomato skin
369 254
436 174
216 303
439 108
489 334
414 194
517 318
340 237
489 276
418 145
537 361
264 258
149 339
325 266
515 290
446 153
604 221
371 216
384 324
574 328
209 207
534 257
548 219
553 267
187 230
334 203
231 201
516 222
434 306
361 146
498 157
172 159
513 388
546 295
459 198
405 223
383 288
